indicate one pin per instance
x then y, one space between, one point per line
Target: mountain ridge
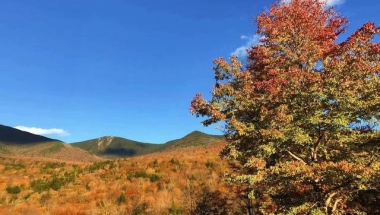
9 135
119 147
17 142
115 147
195 138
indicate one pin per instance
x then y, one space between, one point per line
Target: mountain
195 138
9 135
14 142
117 147
21 143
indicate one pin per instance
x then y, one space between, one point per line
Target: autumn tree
301 117
212 203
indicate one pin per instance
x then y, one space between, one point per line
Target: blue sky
77 70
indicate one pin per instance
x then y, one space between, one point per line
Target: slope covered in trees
181 181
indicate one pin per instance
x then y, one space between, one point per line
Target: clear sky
77 70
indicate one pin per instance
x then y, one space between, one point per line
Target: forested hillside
181 181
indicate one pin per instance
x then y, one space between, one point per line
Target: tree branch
336 204
296 157
328 201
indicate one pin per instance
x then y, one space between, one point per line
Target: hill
166 182
14 142
195 138
117 147
9 135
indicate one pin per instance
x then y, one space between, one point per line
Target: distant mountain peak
195 138
196 132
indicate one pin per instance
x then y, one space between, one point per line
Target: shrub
154 177
140 209
175 161
175 210
45 197
57 183
142 174
53 165
40 185
70 176
27 196
13 190
13 199
14 165
155 163
210 164
122 199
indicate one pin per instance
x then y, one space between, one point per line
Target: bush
175 161
122 199
27 196
13 199
140 209
40 185
142 174
45 197
210 164
154 177
13 190
70 176
175 210
14 165
57 183
53 165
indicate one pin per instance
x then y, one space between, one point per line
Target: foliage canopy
301 116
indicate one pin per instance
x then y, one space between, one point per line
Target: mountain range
116 147
17 142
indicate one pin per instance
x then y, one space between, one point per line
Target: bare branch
328 201
296 157
336 204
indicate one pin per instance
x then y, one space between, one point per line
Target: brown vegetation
171 182
49 150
